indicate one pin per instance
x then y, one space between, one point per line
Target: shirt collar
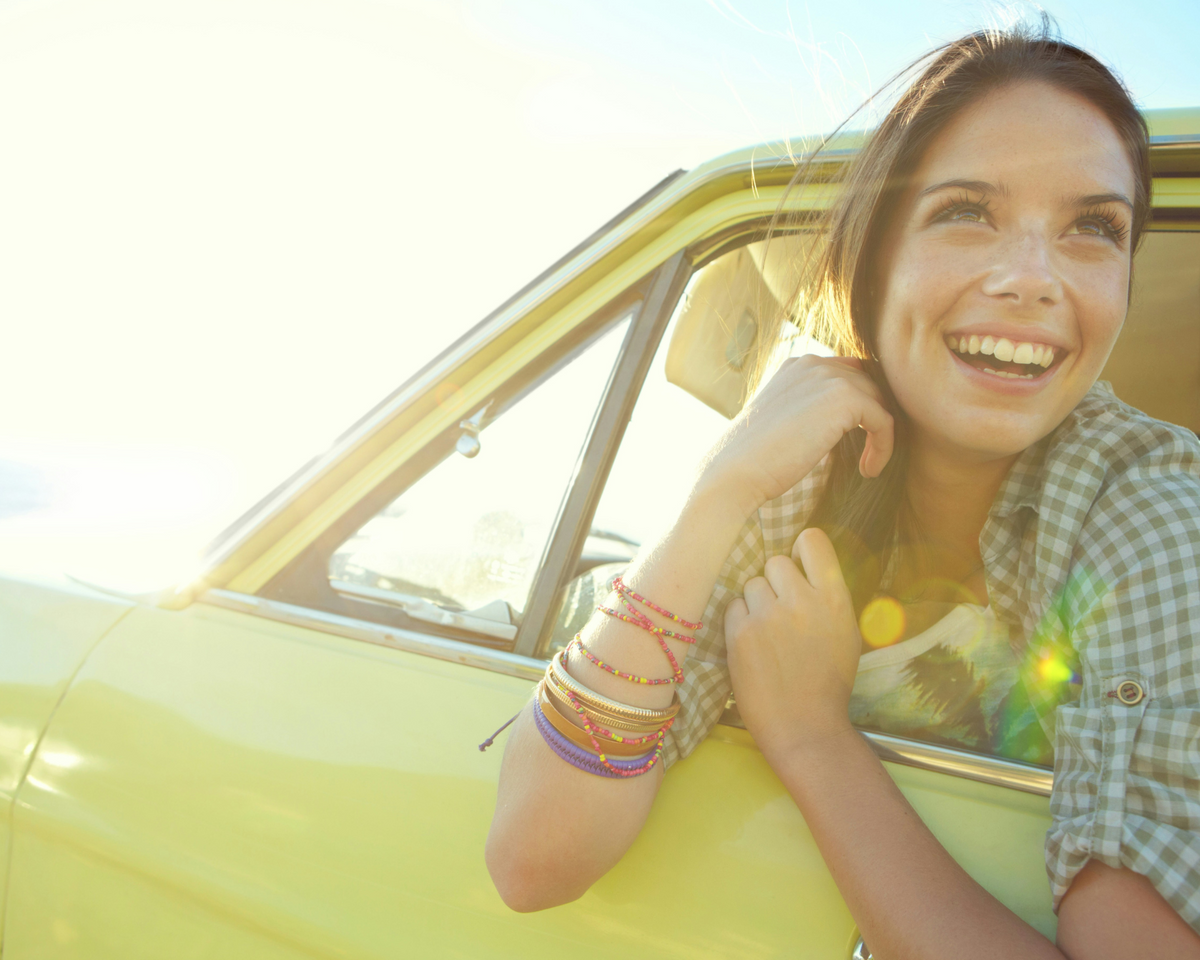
1023 483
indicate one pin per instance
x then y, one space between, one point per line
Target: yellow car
279 760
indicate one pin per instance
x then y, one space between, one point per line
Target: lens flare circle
882 622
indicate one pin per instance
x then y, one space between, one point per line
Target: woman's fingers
758 593
781 573
880 429
736 614
814 550
868 410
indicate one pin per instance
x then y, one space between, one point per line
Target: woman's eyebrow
1095 199
975 186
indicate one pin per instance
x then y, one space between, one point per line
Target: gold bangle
579 736
557 669
611 708
568 709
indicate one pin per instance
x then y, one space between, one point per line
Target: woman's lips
1005 381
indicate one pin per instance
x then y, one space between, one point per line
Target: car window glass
460 547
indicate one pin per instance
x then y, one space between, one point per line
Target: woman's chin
983 435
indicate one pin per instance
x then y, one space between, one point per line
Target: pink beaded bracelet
619 586
639 619
633 678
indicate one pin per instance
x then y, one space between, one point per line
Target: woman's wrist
809 746
722 499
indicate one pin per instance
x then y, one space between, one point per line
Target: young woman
958 462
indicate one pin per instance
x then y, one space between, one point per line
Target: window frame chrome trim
911 753
574 519
398 638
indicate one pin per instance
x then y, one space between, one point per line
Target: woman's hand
797 418
793 646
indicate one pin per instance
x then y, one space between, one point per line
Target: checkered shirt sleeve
1127 777
706 687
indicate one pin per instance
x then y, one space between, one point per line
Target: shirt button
1130 693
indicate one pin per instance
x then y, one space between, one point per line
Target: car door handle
861 952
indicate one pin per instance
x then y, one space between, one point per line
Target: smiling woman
1034 543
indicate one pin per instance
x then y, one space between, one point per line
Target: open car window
459 548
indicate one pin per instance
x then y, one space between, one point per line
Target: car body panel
269 790
46 631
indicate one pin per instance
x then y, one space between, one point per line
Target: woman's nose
1024 273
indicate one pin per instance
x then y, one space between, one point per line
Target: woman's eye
1093 228
962 212
1101 225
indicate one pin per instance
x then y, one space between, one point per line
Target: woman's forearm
908 895
539 858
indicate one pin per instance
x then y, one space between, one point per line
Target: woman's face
1005 272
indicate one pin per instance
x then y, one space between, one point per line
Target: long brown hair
834 304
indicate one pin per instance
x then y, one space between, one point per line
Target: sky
228 227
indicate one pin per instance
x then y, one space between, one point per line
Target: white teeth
1025 352
1010 376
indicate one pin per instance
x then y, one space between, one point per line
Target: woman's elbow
525 885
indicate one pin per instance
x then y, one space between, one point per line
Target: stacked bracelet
562 700
614 745
584 760
557 671
609 726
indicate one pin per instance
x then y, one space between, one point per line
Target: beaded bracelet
619 586
639 619
587 725
615 744
562 703
580 758
609 668
558 671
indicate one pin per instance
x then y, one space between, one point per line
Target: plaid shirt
1091 551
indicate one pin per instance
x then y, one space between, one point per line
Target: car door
282 761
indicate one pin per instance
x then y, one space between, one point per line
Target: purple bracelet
576 756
